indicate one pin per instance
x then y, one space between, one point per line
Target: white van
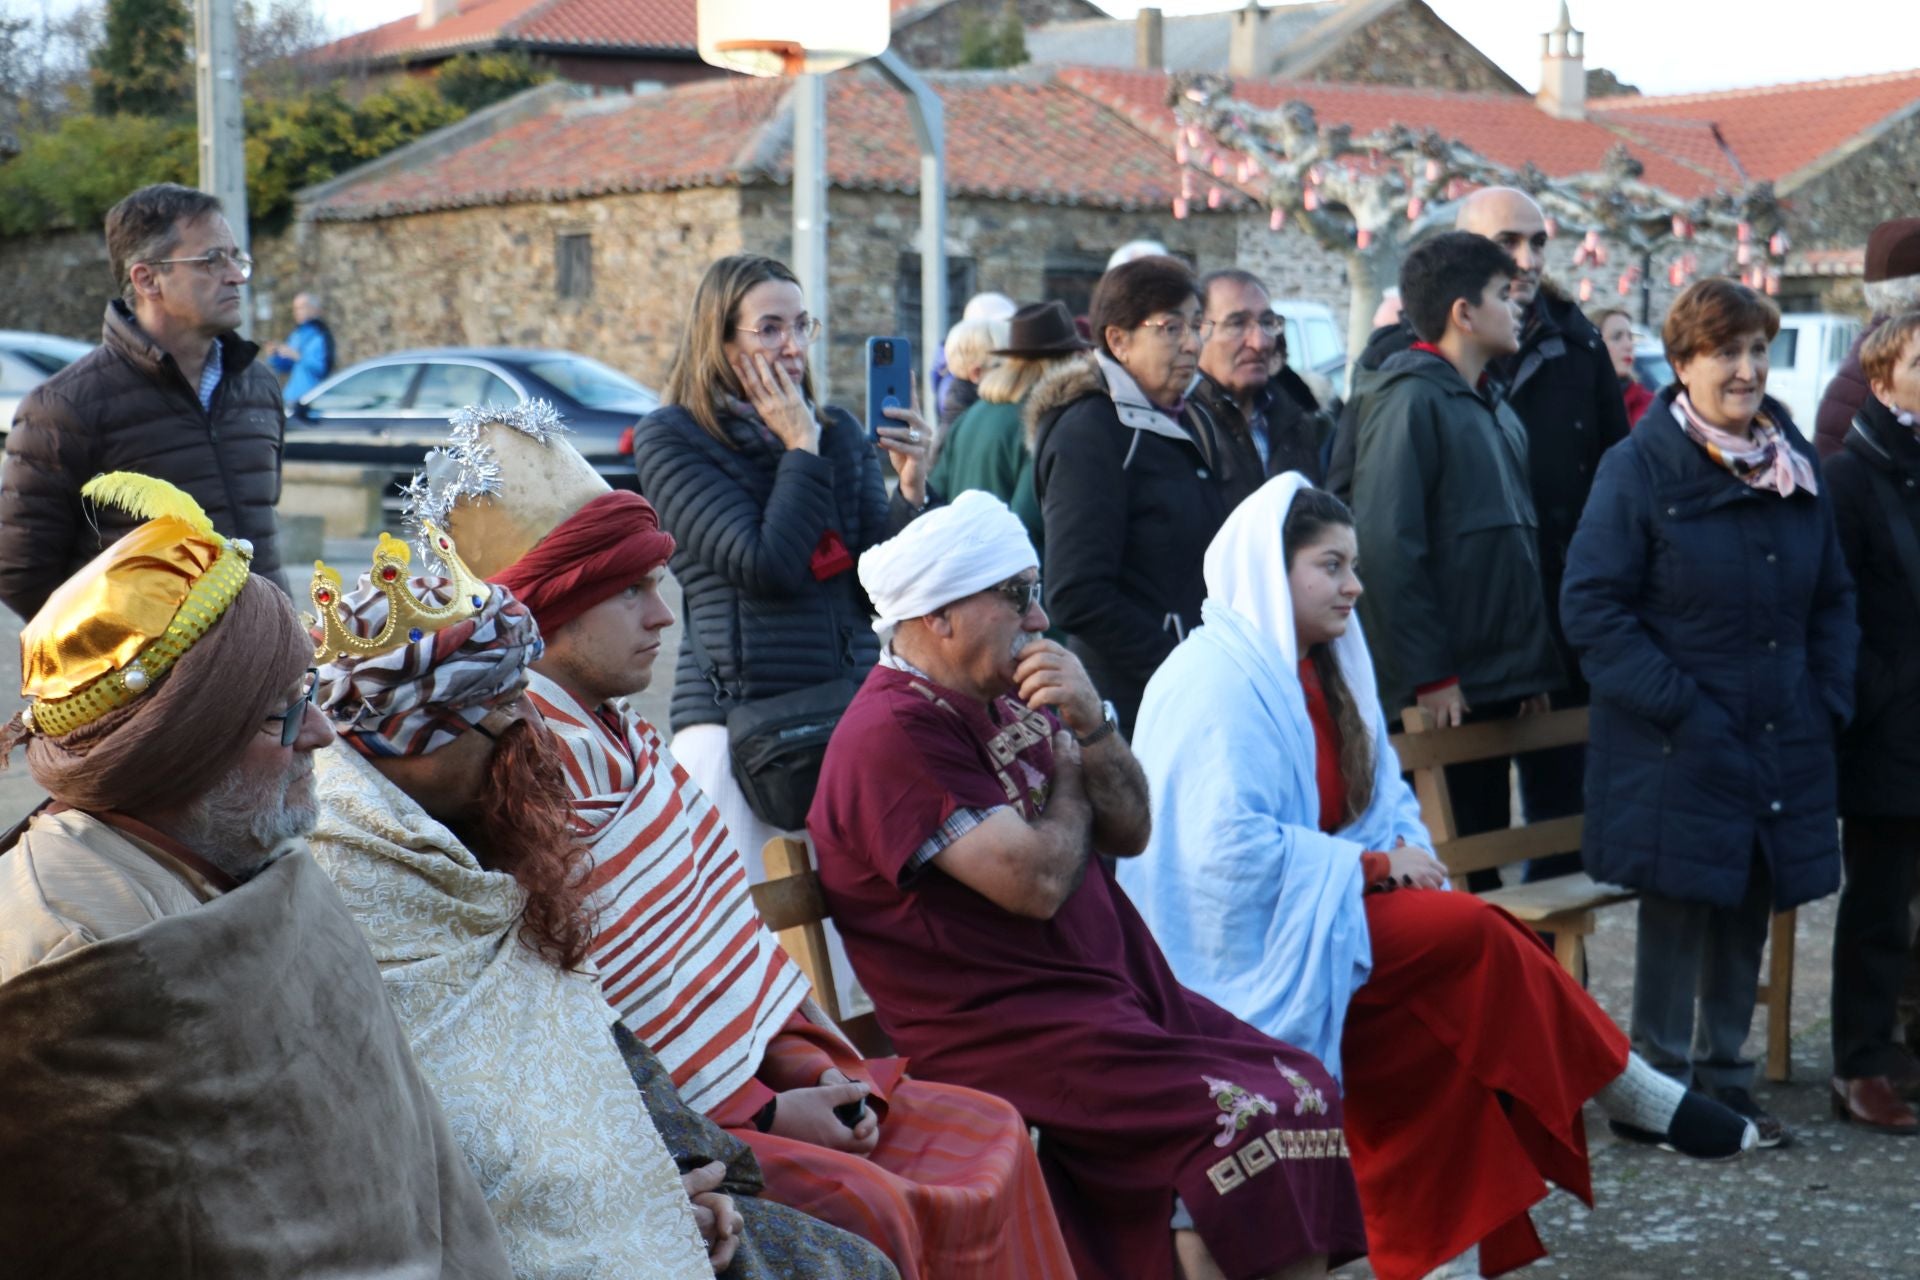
1809 350
1314 342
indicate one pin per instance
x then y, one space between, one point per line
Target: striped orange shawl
682 954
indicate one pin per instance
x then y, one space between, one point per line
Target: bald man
1562 386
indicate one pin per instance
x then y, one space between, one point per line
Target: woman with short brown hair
1713 615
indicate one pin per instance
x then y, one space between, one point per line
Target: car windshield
594 385
1652 370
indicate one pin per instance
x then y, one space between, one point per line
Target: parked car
26 361
1807 352
1650 367
1314 345
387 412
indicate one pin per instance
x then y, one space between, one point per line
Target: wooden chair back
791 904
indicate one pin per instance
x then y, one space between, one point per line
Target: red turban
592 555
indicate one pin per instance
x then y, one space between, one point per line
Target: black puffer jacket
1295 424
747 520
1130 499
1447 537
1880 752
125 406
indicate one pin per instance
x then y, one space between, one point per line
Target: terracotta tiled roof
1011 135
479 24
1504 127
1778 131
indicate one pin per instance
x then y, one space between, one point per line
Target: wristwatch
1108 727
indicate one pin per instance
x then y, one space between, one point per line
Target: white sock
1641 1096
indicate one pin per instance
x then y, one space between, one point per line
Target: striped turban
418 697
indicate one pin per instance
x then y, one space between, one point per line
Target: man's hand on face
1049 676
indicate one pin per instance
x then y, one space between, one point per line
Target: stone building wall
56 283
1835 209
1027 251
934 41
1410 46
489 276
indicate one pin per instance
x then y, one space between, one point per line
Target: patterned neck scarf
1764 461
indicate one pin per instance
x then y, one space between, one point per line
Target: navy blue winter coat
1715 623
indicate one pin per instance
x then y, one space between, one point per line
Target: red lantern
1179 208
1310 199
1180 152
1433 170
1363 237
1743 232
1414 208
1743 253
1276 219
1626 284
1773 283
1676 275
1778 246
1553 227
1213 197
1586 289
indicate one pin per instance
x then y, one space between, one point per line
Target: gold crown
118 625
408 620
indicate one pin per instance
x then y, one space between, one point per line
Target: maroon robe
1139 1087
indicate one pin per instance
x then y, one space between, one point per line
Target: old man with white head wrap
963 799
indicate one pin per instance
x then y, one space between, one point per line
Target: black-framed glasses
296 715
1021 593
213 261
774 333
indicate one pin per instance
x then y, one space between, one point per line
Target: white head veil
1246 571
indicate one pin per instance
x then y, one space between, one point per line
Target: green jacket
1449 544
986 448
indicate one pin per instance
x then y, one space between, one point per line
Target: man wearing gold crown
446 829
943 1178
200 1072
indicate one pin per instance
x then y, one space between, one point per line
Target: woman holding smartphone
771 497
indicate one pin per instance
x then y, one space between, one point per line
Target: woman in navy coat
1713 614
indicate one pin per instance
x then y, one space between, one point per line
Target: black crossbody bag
777 744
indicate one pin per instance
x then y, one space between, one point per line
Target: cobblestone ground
1835 1205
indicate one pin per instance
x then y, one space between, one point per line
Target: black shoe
1740 1102
1701 1128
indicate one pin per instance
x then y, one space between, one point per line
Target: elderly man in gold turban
200 1071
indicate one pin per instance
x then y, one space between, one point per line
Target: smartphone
889 382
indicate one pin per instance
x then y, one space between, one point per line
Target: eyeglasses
774 333
215 261
1177 329
1021 593
1234 327
296 715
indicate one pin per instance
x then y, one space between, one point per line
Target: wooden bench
1563 905
791 904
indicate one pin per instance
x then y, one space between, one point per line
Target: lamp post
807 41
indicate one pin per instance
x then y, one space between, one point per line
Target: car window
1786 345
1839 341
47 362
595 385
447 388
380 389
1323 345
17 376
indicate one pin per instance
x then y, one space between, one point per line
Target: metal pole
810 213
930 131
223 139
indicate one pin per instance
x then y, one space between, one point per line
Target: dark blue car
385 413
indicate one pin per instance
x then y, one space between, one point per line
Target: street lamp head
781 38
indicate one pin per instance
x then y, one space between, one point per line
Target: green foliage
993 42
71 175
141 68
475 80
294 143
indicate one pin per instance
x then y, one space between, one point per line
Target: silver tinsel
464 469
536 419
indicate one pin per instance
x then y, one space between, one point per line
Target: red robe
1140 1088
1468 1054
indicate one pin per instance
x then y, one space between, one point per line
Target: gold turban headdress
151 668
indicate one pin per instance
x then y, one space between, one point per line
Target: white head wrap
990 306
966 546
1246 571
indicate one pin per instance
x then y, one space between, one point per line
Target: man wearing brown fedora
1892 285
989 446
1273 416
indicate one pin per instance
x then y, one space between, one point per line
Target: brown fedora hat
1043 329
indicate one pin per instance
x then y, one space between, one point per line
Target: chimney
1563 70
1149 41
434 11
1244 59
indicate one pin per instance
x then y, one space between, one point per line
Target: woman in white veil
1289 879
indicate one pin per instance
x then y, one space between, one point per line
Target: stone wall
1836 208
934 41
1026 251
1409 46
57 283
480 277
